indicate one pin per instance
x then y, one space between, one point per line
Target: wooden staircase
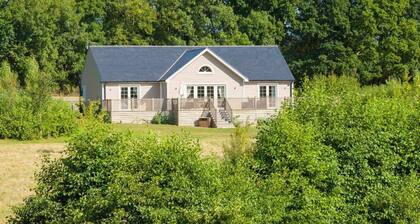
224 120
221 117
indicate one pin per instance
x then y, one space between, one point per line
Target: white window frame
206 73
267 86
129 95
267 94
195 87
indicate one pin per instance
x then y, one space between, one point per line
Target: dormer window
205 69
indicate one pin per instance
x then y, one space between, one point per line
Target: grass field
19 160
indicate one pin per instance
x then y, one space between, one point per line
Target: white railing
160 104
140 105
193 104
255 103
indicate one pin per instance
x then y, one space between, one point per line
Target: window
267 91
263 91
210 91
205 91
190 92
200 91
272 91
133 97
133 93
205 69
124 97
129 97
220 92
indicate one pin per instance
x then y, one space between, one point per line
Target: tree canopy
370 39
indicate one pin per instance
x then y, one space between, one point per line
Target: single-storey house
219 83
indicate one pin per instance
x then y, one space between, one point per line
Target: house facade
187 83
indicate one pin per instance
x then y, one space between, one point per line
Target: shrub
339 153
240 143
160 118
30 113
18 120
93 110
347 146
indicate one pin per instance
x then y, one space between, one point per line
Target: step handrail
213 111
228 109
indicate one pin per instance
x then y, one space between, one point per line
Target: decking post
179 109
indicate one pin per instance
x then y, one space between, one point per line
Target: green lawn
214 138
211 139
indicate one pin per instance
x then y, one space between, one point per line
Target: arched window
205 69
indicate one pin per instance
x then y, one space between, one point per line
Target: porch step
224 120
224 115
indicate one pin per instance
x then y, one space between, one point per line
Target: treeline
370 39
340 153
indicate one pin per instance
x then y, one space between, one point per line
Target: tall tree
129 22
371 39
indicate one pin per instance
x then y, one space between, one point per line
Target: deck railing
255 103
160 104
141 105
193 104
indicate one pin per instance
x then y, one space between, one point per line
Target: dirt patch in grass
18 162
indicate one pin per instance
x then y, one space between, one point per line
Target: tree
8 80
129 22
38 85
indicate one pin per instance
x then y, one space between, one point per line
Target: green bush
160 118
240 142
108 176
93 110
31 113
18 120
339 153
349 148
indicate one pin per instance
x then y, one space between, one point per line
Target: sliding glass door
267 94
129 97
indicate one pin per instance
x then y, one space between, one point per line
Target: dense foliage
30 113
161 118
374 39
354 152
340 153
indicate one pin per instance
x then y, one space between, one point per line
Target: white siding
147 89
220 75
132 117
90 80
283 88
235 86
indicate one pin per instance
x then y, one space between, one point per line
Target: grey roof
187 56
157 63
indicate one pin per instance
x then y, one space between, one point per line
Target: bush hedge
30 112
18 120
340 153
